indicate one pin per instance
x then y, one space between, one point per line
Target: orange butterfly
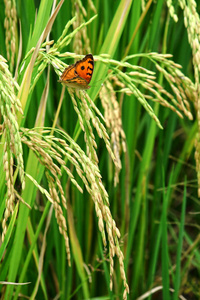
79 74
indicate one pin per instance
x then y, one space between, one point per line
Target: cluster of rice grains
51 152
10 105
10 23
87 113
192 23
89 117
81 43
113 121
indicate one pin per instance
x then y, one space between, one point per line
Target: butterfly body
79 74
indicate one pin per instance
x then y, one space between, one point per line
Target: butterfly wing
68 73
77 83
79 74
85 67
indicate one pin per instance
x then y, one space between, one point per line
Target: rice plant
99 187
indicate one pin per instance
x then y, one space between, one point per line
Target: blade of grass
32 165
41 22
111 43
9 231
29 196
164 250
25 85
77 253
179 249
33 251
139 263
142 180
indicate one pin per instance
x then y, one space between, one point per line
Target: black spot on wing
90 70
91 62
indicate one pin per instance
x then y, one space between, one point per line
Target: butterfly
79 75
